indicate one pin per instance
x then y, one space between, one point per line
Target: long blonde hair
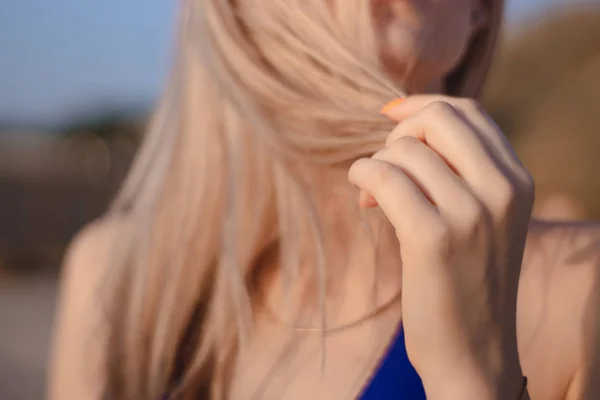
260 93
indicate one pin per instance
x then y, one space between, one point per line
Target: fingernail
391 105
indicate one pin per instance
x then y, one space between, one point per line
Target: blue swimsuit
395 379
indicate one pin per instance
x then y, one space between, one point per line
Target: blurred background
79 79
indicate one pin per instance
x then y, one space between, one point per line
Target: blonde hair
261 93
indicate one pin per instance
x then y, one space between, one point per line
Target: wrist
477 384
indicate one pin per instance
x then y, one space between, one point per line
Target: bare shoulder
80 332
559 310
89 248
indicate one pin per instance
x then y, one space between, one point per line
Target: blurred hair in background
544 93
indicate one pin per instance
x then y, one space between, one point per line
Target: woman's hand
460 202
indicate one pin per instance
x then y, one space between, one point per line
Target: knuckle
439 108
383 173
400 150
405 144
468 215
470 105
505 193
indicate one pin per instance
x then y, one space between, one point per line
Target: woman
237 262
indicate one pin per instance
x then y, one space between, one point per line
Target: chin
419 71
418 77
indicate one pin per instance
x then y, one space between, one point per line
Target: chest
281 364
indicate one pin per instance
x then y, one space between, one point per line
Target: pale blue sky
61 57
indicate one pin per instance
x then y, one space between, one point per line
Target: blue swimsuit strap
396 378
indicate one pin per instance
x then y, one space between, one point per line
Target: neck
362 263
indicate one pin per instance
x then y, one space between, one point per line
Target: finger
472 111
441 127
401 201
430 174
450 135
